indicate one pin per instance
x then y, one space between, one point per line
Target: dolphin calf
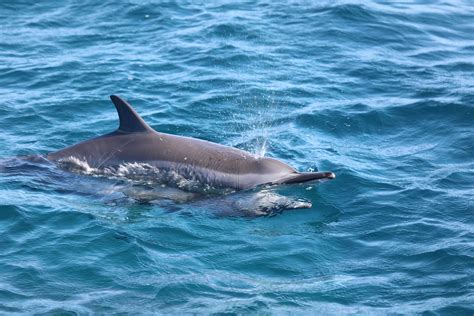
209 163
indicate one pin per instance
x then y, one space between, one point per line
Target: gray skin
209 163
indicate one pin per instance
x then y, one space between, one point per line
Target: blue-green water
380 94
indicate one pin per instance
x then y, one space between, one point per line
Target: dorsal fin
130 121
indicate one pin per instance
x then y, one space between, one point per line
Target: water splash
261 147
137 173
76 165
255 121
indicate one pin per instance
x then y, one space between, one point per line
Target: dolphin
209 163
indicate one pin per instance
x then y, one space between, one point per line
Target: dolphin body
209 163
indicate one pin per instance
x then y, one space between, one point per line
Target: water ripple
379 93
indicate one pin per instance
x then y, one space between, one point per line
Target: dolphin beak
298 177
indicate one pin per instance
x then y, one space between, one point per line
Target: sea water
381 94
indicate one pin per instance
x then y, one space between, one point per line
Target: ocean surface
381 94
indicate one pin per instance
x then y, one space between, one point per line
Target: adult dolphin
209 163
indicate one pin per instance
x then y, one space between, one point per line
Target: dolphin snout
299 177
330 175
